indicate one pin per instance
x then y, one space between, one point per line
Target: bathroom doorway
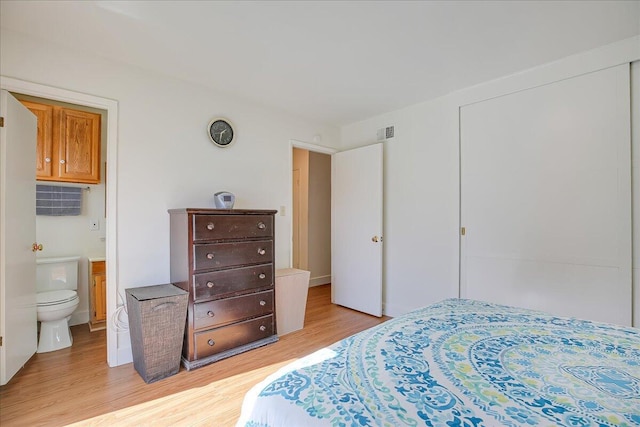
103 201
79 232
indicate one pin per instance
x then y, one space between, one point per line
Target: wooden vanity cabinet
224 259
68 144
97 295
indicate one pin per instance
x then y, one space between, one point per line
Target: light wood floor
75 385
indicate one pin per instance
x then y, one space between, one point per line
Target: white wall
165 159
319 218
421 207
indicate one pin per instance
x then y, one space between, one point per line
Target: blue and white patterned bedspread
461 363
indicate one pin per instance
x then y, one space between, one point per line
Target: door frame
111 106
293 143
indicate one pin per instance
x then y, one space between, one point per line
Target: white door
356 229
18 319
546 198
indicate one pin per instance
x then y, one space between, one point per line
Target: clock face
221 132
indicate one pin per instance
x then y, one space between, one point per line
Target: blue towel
56 200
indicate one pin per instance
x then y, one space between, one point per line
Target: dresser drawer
220 339
216 227
228 310
220 283
219 255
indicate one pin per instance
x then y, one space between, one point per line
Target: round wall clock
221 132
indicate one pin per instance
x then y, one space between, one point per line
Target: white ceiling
334 62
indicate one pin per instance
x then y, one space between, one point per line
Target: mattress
460 363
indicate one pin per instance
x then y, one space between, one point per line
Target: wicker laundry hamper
157 316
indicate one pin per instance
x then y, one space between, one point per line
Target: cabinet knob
261 251
209 256
263 303
263 328
62 161
262 225
47 159
211 342
210 313
262 275
209 284
210 226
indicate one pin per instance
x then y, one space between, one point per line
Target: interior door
356 229
546 198
18 318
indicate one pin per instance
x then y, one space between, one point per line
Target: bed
460 363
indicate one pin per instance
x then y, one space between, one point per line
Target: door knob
375 239
36 247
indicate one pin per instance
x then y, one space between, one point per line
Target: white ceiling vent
385 133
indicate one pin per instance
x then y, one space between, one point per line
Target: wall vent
385 133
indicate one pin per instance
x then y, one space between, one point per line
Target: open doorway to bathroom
311 213
78 230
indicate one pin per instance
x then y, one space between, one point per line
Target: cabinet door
99 281
78 146
44 144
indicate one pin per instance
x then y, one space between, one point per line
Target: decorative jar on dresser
225 260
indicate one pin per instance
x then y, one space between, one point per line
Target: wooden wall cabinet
97 295
68 144
225 260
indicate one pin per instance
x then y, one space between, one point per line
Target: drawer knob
262 225
262 275
261 251
263 328
210 313
209 284
211 342
263 303
209 256
210 226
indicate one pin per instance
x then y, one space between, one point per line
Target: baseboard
320 280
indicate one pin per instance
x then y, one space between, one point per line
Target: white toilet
56 285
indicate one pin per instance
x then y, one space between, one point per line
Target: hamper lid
155 291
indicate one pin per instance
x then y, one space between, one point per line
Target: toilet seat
46 299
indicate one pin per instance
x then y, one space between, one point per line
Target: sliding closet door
546 198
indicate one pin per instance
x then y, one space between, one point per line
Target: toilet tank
57 273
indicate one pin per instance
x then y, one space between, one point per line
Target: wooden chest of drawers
225 260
